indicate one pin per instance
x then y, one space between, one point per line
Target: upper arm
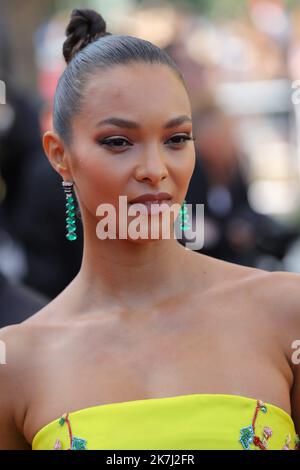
10 436
288 302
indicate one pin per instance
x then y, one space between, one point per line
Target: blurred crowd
239 74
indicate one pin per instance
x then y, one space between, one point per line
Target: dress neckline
158 399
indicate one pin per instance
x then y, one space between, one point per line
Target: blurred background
241 63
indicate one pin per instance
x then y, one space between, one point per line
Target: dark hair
88 47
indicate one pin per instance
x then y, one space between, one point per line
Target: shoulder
273 295
235 279
285 291
280 292
276 291
274 298
16 354
277 297
14 359
13 345
25 352
276 294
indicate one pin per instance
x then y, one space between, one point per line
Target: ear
57 154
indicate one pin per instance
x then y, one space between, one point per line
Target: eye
121 143
115 143
181 138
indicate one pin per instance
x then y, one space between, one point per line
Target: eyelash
109 141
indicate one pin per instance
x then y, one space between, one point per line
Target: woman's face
107 160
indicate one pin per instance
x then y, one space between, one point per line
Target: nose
151 165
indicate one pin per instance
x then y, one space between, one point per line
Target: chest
201 348
196 348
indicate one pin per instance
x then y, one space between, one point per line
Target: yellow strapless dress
196 421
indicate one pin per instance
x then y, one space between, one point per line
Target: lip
148 197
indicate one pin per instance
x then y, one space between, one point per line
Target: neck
130 274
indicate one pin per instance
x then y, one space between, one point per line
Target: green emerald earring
70 211
184 217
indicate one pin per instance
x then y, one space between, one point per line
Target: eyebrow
119 122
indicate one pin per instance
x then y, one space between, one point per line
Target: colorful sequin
247 434
76 443
297 442
57 445
248 437
287 443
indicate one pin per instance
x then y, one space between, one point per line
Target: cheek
190 166
182 173
98 181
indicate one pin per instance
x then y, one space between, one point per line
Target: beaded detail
248 437
76 443
184 217
297 441
247 433
70 211
288 442
57 445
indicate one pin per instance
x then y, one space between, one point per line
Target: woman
151 346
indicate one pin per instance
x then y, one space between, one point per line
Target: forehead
138 89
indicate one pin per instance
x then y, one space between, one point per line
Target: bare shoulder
283 290
275 299
19 346
274 302
280 292
275 294
16 344
13 359
25 349
224 275
277 291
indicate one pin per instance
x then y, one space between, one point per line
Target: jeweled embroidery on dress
57 445
76 443
287 442
247 433
297 442
248 437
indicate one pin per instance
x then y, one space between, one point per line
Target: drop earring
70 211
184 217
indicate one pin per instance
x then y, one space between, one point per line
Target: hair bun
85 26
